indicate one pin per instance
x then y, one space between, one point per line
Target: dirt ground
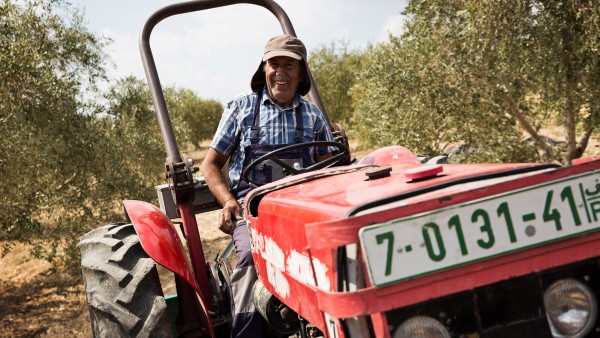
38 301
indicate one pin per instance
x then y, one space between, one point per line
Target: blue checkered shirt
277 126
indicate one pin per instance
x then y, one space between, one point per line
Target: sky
215 52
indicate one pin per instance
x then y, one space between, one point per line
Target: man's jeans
247 322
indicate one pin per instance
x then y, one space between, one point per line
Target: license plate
414 246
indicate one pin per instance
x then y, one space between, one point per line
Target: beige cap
282 45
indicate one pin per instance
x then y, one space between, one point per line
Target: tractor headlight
421 327
570 308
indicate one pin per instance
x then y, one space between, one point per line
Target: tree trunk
569 83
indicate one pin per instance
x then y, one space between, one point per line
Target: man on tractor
273 116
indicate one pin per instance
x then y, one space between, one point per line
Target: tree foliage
129 130
489 74
334 69
69 153
45 59
201 116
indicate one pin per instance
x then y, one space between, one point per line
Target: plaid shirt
277 126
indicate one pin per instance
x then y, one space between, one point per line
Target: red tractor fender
159 239
389 156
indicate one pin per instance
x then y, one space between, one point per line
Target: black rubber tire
122 285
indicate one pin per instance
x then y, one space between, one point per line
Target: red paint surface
310 218
161 242
159 238
390 156
425 171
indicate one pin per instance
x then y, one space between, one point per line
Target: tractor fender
160 240
391 155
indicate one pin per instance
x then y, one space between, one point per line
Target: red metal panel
380 325
371 300
196 254
302 298
391 155
331 198
159 238
426 171
161 242
284 264
585 160
336 233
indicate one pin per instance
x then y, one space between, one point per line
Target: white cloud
216 52
393 25
124 54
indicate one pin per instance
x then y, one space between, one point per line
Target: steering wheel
272 155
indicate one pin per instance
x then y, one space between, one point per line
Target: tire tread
122 287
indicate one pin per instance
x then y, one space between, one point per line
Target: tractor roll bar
160 105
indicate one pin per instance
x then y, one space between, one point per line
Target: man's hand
211 168
229 216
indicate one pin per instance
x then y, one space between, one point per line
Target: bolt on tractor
389 246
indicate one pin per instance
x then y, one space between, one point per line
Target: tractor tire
122 288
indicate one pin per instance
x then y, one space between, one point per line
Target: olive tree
334 69
69 153
488 74
46 60
201 116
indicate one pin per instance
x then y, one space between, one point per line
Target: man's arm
211 169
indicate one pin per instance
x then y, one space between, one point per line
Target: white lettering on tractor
278 280
296 264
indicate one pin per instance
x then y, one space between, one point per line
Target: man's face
283 76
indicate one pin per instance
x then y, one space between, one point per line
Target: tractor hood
338 193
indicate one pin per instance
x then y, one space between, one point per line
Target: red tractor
386 247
